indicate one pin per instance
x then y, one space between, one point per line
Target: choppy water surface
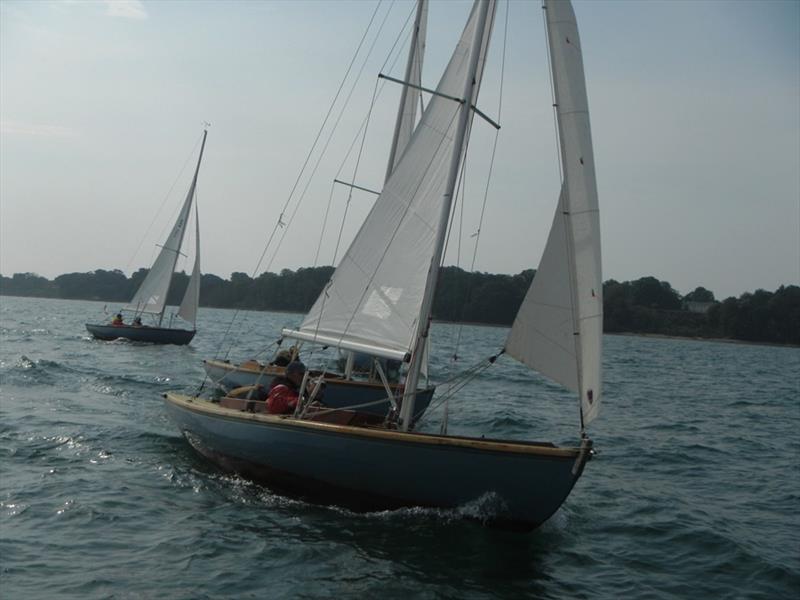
695 492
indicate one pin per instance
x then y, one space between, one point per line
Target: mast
423 323
413 75
187 205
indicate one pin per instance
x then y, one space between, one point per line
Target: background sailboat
151 297
379 302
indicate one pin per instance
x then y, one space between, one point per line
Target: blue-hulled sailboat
150 299
379 301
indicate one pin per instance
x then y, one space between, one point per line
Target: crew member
284 391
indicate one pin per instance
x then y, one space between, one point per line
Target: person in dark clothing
284 357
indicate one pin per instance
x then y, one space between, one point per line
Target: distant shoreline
699 339
474 324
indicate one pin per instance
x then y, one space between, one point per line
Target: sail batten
558 330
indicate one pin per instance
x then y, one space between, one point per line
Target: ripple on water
693 492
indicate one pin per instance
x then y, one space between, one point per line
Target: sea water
694 491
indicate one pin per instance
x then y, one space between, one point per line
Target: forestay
558 330
372 302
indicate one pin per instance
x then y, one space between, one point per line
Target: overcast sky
695 111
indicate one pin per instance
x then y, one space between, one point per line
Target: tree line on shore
645 305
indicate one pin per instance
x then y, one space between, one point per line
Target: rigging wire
459 381
279 223
376 91
324 295
163 203
330 137
462 189
355 173
358 133
468 291
489 177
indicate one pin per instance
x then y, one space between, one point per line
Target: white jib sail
151 297
191 298
372 303
558 330
409 96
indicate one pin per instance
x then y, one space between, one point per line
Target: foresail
558 330
542 335
410 96
191 298
374 297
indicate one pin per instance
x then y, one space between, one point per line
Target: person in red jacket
284 391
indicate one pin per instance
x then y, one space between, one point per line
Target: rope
468 375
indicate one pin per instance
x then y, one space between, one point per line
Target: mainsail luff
558 330
409 96
480 45
151 297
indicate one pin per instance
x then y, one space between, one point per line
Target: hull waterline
151 335
372 469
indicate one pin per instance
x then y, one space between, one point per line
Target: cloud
127 9
34 129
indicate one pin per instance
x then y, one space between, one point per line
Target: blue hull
374 469
339 393
151 335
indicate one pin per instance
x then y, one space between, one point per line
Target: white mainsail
372 302
191 298
410 96
558 330
151 297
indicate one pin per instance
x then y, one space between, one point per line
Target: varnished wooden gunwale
501 446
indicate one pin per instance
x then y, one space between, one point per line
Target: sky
694 107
